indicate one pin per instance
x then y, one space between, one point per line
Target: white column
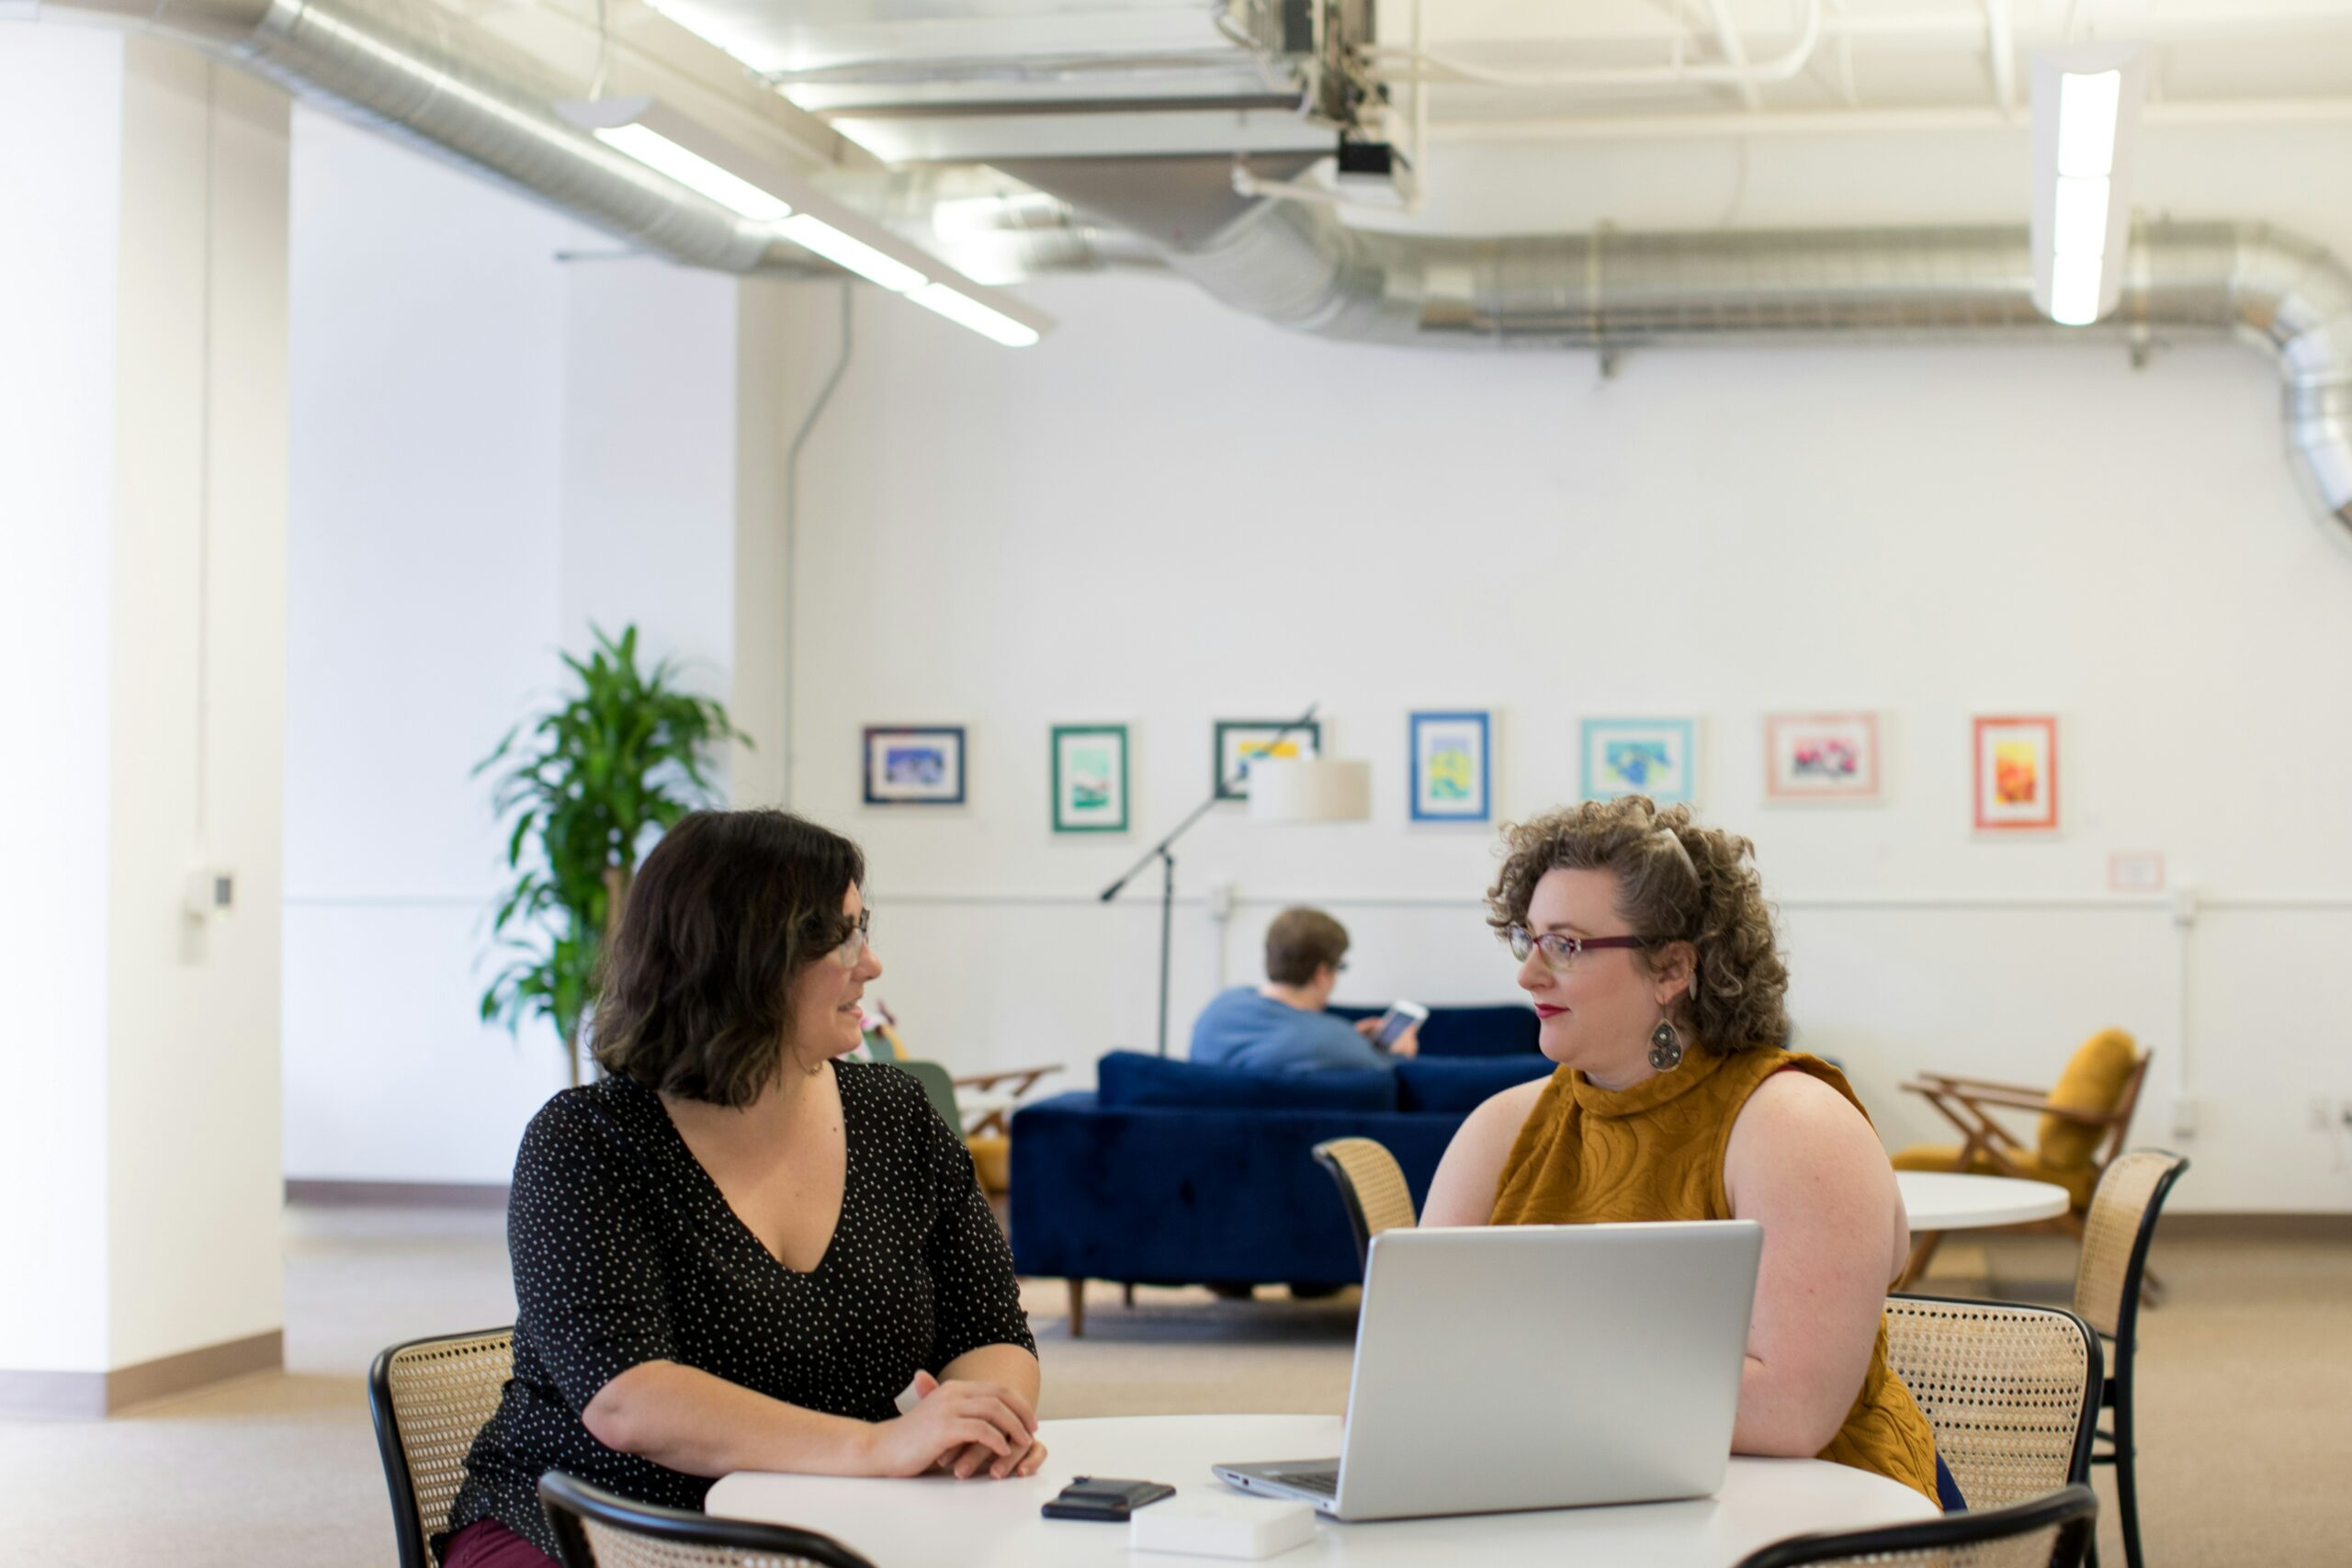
144 605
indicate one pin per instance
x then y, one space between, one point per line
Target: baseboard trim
395 1194
91 1396
2255 1226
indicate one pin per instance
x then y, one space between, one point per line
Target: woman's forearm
687 1420
1008 1364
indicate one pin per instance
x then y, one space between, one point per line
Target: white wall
56 498
506 431
427 321
1169 513
144 393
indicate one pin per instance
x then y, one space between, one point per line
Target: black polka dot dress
625 1252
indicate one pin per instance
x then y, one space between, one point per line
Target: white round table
936 1522
1940 1200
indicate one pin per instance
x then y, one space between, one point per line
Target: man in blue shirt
1280 1027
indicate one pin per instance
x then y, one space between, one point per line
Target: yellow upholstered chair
2084 1119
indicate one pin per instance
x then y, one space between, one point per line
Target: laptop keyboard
1325 1481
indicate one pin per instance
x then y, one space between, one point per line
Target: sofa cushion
1462 1084
1131 1080
1492 1028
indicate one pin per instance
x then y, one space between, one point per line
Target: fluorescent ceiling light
2074 291
774 191
694 172
2088 106
2085 106
2079 219
813 233
965 311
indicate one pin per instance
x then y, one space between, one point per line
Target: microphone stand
1159 852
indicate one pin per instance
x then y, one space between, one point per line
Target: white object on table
1943 1200
1195 1523
939 1522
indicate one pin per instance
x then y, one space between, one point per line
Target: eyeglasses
1559 952
853 947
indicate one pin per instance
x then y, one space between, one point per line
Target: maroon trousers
487 1543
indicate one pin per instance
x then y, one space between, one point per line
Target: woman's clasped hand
964 1428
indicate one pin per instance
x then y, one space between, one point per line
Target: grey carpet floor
2247 1384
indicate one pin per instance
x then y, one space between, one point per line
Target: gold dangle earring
1666 1047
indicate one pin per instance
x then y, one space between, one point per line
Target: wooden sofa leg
1128 1294
1077 1308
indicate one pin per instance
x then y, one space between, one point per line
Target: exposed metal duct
1297 265
420 73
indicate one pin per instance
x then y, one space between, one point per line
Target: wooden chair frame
570 1504
1969 1105
2072 1512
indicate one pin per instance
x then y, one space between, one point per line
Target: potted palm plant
625 752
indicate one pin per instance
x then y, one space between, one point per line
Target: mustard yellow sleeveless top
1656 1152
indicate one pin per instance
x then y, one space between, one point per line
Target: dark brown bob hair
724 914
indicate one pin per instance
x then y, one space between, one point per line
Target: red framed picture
2016 773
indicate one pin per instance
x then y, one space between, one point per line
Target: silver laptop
1510 1367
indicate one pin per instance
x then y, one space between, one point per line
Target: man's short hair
1299 943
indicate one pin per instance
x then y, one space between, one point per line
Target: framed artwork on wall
1090 778
1827 757
1451 758
1656 756
2016 773
914 766
1238 740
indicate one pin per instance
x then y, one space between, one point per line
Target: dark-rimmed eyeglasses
1559 950
853 947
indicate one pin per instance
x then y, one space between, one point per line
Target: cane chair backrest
2012 1392
2052 1531
597 1530
2116 1233
429 1397
1371 1186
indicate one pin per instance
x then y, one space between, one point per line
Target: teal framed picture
1090 778
1656 757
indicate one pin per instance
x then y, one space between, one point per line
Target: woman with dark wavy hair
1645 943
736 1251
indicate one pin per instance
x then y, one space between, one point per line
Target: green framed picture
1090 778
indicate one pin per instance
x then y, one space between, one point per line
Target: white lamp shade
1309 789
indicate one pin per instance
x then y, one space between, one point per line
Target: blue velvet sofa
1169 1172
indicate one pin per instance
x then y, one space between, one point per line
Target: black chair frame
567 1502
2121 1452
414 1550
1359 1222
2079 1468
2074 1510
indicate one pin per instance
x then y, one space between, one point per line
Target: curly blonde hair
1676 882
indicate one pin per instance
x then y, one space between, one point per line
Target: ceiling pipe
1301 266
417 71
420 73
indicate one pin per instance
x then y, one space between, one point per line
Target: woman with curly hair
1645 943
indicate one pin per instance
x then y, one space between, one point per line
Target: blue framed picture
1450 755
912 766
1656 756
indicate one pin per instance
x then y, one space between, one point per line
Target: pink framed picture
2016 774
1822 757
